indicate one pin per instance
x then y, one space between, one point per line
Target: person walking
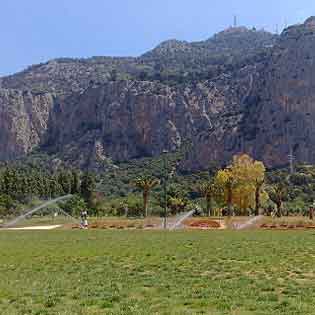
84 221
311 213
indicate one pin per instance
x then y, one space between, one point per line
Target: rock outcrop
132 119
24 118
280 113
259 98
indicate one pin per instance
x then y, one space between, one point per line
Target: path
44 227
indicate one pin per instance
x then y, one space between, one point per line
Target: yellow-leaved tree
210 191
243 183
226 179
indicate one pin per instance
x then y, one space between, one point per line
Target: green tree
65 180
243 182
74 206
177 204
88 186
258 188
75 182
6 205
146 184
226 179
209 191
55 189
278 194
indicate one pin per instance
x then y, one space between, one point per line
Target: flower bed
287 226
203 224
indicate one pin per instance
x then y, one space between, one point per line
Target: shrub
74 206
7 205
300 179
132 207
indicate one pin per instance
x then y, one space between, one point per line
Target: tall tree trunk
257 200
279 209
229 201
209 206
145 202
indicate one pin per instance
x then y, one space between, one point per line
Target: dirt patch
122 224
151 224
204 224
299 226
32 228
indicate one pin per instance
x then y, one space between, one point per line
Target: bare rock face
310 22
132 119
279 116
24 118
262 103
125 120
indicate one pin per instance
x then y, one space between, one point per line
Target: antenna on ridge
291 160
235 21
277 29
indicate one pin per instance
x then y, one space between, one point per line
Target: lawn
156 272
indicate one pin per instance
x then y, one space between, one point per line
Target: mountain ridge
218 94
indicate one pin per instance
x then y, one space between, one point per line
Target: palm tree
209 191
258 186
146 184
278 195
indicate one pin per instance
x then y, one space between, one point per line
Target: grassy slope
106 272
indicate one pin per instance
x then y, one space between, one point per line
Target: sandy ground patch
46 227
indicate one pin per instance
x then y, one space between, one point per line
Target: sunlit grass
154 272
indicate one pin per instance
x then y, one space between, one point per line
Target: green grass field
143 272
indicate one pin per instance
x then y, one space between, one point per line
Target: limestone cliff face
262 103
24 118
132 119
279 116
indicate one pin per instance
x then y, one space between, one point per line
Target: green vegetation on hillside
172 62
116 192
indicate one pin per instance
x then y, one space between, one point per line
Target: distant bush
74 206
132 206
300 179
7 205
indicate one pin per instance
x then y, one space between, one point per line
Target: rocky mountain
234 46
240 91
24 119
280 113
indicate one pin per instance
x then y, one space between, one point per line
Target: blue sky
33 31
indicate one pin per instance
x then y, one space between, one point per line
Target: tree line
19 185
241 188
